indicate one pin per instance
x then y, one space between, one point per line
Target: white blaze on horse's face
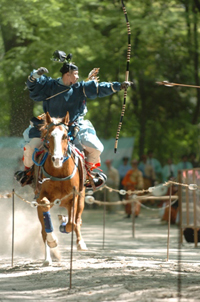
57 155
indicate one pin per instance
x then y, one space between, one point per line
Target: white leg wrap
52 240
48 260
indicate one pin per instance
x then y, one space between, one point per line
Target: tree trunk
21 109
196 65
142 118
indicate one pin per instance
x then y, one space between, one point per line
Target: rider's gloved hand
42 70
125 84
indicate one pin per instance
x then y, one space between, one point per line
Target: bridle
67 155
48 127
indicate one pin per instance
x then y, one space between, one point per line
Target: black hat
125 158
67 67
61 56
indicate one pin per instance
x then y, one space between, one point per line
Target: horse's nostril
61 158
53 158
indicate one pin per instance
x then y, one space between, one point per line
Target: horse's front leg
49 238
75 209
81 246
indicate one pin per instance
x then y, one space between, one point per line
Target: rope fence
155 193
89 199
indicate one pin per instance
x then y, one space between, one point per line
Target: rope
35 204
6 195
90 199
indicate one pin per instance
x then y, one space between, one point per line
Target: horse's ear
48 118
66 118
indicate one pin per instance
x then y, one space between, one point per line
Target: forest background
165 46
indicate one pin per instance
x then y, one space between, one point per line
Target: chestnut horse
61 175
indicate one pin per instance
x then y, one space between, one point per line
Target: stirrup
19 174
99 180
24 177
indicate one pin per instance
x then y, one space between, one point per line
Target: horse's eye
64 136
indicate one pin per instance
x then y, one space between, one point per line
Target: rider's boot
94 180
24 177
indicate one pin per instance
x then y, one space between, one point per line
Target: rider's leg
88 141
29 149
26 176
93 148
92 158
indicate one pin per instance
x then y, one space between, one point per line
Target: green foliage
164 47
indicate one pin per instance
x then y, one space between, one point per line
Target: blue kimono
58 98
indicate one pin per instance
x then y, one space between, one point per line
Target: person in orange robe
174 207
133 180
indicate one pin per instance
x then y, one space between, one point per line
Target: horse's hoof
81 246
47 263
68 227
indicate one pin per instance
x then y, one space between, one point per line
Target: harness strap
43 159
69 152
50 177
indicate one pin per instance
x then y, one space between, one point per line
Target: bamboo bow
126 75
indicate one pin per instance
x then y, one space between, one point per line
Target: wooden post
180 235
187 201
180 207
72 238
133 218
104 217
169 220
195 212
13 225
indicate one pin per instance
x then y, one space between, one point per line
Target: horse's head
55 135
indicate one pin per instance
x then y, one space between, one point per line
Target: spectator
184 163
113 182
133 180
193 160
165 207
148 172
169 170
155 164
123 169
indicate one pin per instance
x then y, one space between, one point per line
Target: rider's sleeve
93 89
38 87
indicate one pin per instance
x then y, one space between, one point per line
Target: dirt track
127 269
